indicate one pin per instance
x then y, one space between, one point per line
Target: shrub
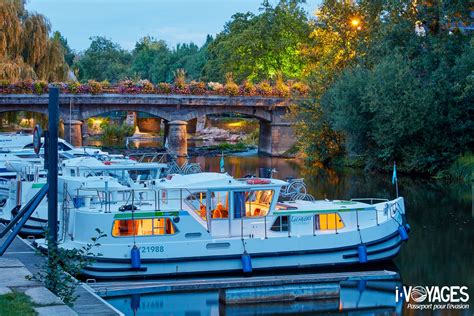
215 87
197 87
5 86
22 87
105 85
40 87
73 87
146 86
95 87
114 134
248 88
230 87
264 88
61 85
299 88
180 79
281 89
128 86
164 88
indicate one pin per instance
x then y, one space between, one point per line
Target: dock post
53 122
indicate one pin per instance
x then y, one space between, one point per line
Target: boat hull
378 250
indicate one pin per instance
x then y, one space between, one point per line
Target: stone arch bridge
276 131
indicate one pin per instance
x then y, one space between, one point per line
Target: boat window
280 224
219 204
197 202
252 203
328 221
143 227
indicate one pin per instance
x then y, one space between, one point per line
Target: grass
16 303
462 169
240 146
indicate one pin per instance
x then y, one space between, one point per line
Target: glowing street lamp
355 22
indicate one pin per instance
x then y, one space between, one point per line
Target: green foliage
260 46
408 99
384 92
40 87
114 134
461 169
104 60
151 59
26 50
239 146
95 87
16 304
69 54
59 271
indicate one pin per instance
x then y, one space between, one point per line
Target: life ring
258 181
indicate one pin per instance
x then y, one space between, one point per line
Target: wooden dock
125 287
88 303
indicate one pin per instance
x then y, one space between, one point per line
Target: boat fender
135 256
362 250
403 233
407 227
246 262
361 285
176 219
258 181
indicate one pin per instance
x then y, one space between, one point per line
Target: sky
126 21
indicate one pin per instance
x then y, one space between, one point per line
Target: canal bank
20 261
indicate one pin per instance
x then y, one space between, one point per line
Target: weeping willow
26 50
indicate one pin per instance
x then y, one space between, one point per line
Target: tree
151 60
260 46
407 98
339 36
69 54
104 60
26 51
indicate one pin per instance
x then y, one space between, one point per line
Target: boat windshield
246 203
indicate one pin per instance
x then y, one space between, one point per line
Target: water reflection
440 250
371 296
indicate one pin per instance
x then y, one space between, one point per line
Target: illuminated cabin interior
143 227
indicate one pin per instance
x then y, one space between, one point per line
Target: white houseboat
211 222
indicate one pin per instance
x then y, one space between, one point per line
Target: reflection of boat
210 222
367 296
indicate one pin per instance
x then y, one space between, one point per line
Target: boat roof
91 163
215 181
321 206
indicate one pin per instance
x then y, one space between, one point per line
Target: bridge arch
85 113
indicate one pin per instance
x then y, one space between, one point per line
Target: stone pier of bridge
180 113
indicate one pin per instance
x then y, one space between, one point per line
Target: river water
440 250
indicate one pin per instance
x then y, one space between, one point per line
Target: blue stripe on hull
108 267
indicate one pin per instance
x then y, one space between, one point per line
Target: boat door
218 207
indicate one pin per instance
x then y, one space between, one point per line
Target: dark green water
441 246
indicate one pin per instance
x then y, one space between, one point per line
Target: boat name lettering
301 219
150 249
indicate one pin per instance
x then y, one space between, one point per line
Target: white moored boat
211 222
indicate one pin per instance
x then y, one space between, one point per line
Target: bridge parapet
276 134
